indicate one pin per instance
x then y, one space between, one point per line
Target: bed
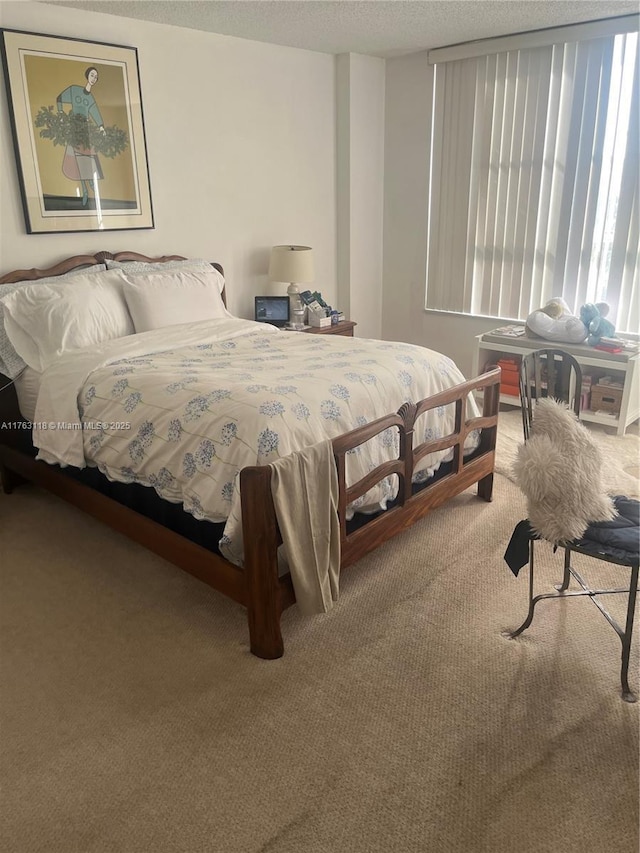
403 440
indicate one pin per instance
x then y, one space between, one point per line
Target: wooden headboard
78 261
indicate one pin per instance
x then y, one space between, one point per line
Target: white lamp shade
291 264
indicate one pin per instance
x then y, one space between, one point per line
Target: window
535 173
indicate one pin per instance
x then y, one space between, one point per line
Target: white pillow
43 321
10 362
146 267
164 299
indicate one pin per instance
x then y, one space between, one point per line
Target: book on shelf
510 331
608 348
624 344
611 381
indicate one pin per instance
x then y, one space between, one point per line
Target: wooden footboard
268 594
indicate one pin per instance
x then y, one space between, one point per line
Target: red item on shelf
608 348
510 388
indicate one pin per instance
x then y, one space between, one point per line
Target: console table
623 366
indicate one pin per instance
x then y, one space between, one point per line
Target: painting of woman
76 117
81 162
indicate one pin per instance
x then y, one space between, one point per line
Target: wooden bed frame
258 586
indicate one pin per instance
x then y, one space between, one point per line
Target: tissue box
319 322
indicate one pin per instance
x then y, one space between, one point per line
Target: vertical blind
535 178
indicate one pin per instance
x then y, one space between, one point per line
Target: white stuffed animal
555 322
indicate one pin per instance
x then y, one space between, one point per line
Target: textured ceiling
377 27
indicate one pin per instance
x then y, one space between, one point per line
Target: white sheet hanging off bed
304 486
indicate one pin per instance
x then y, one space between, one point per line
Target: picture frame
78 131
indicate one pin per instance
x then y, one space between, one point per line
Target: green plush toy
594 318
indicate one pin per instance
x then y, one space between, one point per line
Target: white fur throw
559 469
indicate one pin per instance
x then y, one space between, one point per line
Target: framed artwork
78 131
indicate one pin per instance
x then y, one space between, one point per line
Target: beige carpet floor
135 720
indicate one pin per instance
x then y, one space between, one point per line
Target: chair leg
625 636
532 601
566 578
627 694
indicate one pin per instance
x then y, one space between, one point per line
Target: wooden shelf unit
491 346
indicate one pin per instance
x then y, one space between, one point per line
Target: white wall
241 140
409 81
360 187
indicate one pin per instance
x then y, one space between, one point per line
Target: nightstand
344 328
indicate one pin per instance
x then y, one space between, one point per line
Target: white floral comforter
184 408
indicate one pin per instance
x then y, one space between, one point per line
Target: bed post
490 408
9 480
261 539
11 437
485 488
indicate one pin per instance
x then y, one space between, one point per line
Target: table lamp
293 264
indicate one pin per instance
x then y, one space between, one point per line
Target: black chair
556 374
548 373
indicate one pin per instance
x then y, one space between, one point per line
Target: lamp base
296 308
